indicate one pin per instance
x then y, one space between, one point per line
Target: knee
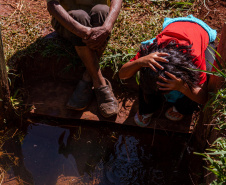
81 16
100 9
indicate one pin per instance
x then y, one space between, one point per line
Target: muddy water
103 155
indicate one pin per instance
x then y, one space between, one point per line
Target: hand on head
173 83
152 60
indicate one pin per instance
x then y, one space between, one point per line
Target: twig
2 175
159 117
207 14
204 2
22 181
153 135
21 6
18 8
126 149
8 4
191 179
14 133
8 154
207 174
208 143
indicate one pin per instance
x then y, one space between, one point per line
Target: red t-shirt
187 33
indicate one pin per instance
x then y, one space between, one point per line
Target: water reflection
98 155
127 164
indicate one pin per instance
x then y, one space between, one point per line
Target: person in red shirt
165 67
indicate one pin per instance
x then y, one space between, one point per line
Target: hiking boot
107 103
81 97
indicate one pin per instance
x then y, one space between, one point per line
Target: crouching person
87 25
165 64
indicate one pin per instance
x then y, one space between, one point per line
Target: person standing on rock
88 25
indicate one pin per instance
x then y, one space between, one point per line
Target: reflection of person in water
110 160
88 147
164 64
130 164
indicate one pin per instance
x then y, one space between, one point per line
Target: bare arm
100 34
198 94
130 68
61 15
113 14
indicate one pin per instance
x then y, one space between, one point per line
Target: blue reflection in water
127 164
99 156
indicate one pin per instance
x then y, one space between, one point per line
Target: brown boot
107 103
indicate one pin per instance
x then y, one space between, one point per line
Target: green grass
138 21
215 156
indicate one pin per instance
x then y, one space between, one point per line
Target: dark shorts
94 18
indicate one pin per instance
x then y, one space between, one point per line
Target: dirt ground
211 11
10 8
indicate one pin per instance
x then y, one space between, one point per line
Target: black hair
180 65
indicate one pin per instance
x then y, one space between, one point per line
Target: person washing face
165 64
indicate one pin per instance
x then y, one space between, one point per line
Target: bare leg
91 62
99 53
107 103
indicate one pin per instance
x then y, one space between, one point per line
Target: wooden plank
49 98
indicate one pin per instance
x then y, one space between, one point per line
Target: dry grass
2 173
137 22
22 22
